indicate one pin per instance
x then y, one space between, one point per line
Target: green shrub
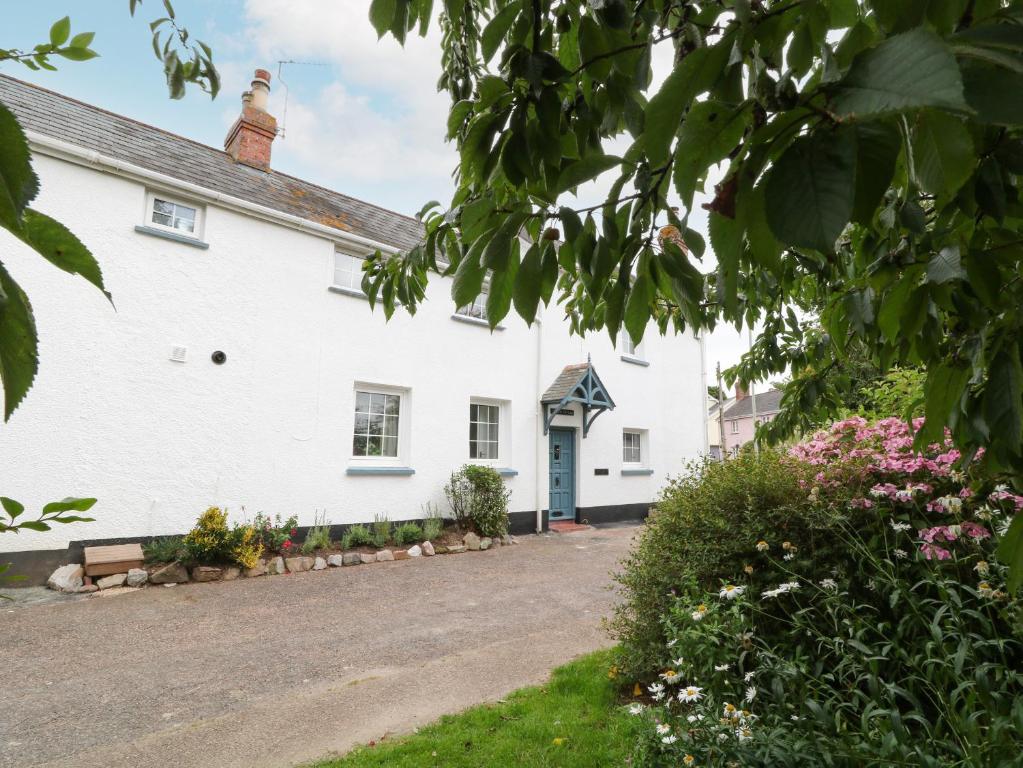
212 542
318 536
407 533
275 535
381 531
479 499
704 525
357 536
165 549
433 523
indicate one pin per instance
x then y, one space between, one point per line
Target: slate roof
92 128
565 383
767 402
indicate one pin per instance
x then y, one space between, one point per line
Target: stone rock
207 573
366 559
496 542
440 549
115 591
137 577
471 541
336 560
86 588
259 569
457 549
231 573
400 554
172 573
486 542
319 564
298 564
416 551
276 566
67 578
351 558
428 549
508 539
385 555
170 584
114 580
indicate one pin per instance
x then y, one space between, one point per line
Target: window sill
475 321
507 471
635 360
173 236
637 471
380 471
354 292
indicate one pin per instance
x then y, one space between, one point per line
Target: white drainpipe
538 442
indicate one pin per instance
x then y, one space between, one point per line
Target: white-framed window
174 215
630 348
478 308
378 422
632 447
348 271
735 427
484 431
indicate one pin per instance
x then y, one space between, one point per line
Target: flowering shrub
276 535
479 499
900 646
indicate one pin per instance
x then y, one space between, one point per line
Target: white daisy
694 718
743 734
900 554
669 739
663 729
731 712
898 526
721 667
635 709
829 584
748 676
670 676
730 591
789 556
656 691
689 694
678 662
671 643
751 693
795 718
763 546
982 567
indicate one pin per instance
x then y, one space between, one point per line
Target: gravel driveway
281 670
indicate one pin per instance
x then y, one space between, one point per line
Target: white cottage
241 366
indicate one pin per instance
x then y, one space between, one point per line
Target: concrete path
282 670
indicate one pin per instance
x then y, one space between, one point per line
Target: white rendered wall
157 442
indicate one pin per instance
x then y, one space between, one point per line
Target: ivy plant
184 61
869 157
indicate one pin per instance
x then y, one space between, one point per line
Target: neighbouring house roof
767 402
713 409
122 138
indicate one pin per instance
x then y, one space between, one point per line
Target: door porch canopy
576 384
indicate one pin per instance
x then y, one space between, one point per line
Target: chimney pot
253 132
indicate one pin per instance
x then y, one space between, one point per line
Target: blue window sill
507 472
475 321
635 360
354 292
380 471
637 472
183 239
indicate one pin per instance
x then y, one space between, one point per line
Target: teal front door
562 464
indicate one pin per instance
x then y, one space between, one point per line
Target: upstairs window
735 427
478 309
632 449
166 213
484 421
347 271
631 351
377 416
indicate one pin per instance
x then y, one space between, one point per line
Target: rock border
71 578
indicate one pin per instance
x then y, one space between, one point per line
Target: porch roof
577 383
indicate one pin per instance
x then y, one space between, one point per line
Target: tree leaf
11 507
810 190
1003 397
502 283
585 169
18 182
468 280
381 15
994 93
1010 552
696 73
908 71
637 309
78 54
526 295
877 150
944 266
943 153
498 27
58 245
709 133
19 344
942 393
60 31
70 504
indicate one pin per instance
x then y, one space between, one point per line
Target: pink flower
933 551
975 530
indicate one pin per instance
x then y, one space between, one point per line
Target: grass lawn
572 721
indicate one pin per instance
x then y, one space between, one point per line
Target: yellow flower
786 545
748 569
688 760
637 690
557 741
763 546
612 673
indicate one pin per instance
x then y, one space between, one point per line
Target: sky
359 115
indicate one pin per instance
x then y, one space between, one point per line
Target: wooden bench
119 558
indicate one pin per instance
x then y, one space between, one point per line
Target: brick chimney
253 132
741 392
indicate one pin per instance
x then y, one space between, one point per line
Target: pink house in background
739 423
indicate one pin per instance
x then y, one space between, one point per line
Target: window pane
361 423
393 405
162 206
473 432
362 401
391 426
374 446
391 446
474 411
164 219
186 225
359 446
376 424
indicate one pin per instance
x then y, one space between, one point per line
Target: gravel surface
277 671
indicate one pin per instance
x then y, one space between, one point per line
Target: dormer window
347 271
